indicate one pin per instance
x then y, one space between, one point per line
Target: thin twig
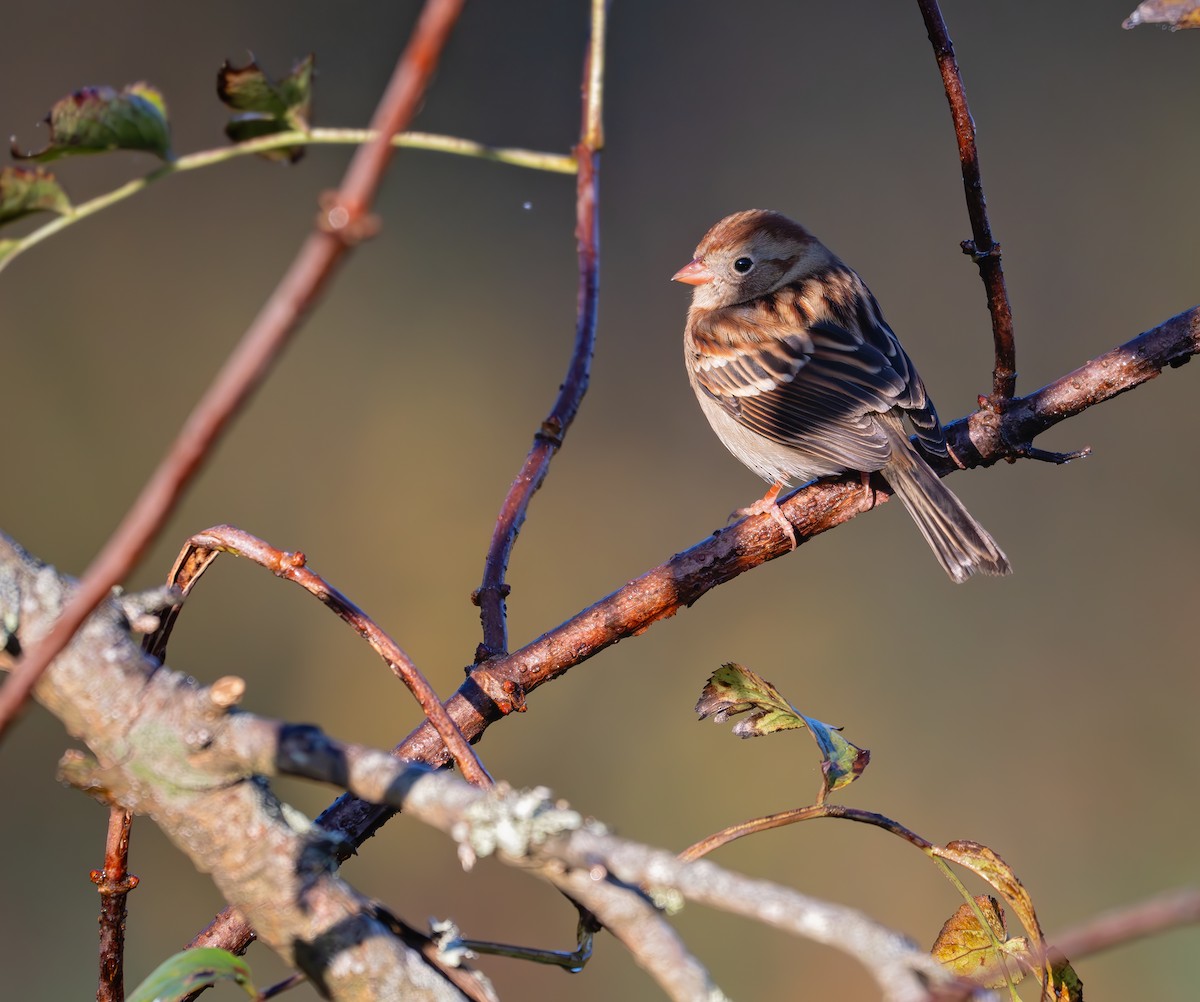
202 549
982 439
555 163
1123 925
342 222
114 883
790 817
983 249
492 592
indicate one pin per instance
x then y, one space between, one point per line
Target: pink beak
695 273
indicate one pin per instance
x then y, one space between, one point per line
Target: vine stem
982 248
490 596
555 163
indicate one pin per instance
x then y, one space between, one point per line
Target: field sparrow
801 377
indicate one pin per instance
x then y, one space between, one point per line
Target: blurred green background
1050 714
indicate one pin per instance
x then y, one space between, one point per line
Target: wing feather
815 385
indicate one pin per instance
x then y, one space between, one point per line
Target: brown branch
343 221
982 439
202 549
493 591
781 819
984 250
114 884
1123 925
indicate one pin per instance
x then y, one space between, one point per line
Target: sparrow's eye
742 265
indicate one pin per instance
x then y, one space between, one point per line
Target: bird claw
768 504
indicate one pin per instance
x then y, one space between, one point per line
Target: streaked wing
814 387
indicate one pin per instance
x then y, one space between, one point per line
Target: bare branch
981 247
171 748
642 930
202 549
155 737
343 222
492 593
1123 925
114 883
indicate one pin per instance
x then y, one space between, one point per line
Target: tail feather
962 546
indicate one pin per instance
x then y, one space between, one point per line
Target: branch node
503 589
227 691
508 694
112 887
975 254
551 431
347 222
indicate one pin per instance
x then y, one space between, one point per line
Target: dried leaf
98 119
735 689
23 191
988 864
968 948
1173 14
267 106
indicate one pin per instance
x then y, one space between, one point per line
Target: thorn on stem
1029 451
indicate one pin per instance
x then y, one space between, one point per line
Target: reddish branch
491 594
202 549
1146 918
342 222
982 439
983 249
114 884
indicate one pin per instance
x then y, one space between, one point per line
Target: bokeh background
1051 715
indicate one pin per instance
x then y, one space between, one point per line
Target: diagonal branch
983 439
491 594
342 222
203 548
983 249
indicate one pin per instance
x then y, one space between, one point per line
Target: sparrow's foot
768 504
869 496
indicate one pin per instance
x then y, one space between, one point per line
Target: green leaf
267 106
734 689
97 119
180 975
23 191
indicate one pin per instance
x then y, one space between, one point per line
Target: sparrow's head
750 254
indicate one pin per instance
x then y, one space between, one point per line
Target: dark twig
114 884
1045 456
287 984
202 549
981 247
491 594
791 817
342 222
